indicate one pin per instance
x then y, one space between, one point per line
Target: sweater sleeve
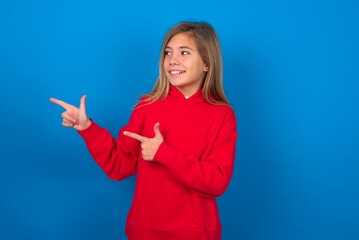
116 157
208 176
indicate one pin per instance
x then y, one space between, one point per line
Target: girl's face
183 65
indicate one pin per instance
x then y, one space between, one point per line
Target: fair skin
76 117
185 69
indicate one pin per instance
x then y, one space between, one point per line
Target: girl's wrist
85 125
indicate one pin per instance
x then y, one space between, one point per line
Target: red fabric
175 195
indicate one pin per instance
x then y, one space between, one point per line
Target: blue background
291 74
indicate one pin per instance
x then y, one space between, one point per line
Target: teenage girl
180 141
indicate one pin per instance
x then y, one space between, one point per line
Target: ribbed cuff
89 131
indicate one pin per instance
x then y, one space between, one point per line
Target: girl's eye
167 53
185 53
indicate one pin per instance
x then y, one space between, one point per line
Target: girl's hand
149 145
74 117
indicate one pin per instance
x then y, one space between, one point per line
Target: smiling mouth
176 72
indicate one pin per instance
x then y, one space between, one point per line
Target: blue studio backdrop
291 74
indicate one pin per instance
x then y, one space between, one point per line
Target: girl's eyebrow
182 47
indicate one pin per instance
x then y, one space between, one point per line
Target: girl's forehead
181 39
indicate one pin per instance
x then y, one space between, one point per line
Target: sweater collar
176 95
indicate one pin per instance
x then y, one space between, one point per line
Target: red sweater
175 194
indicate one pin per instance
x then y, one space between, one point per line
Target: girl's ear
205 68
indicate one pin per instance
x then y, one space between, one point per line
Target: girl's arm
117 158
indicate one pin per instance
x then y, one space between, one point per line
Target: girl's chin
175 83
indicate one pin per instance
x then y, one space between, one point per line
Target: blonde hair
209 49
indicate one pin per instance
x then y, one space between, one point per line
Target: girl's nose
173 61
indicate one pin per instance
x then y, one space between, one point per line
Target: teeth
176 72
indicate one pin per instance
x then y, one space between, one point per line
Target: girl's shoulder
143 104
222 108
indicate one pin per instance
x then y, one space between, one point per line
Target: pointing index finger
60 103
134 136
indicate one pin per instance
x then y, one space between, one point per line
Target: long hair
209 49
